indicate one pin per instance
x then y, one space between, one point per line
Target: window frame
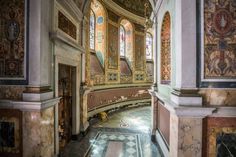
94 30
151 37
121 26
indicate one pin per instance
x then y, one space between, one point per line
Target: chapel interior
117 78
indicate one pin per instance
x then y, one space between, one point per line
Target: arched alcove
166 50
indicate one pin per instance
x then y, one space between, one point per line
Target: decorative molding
119 10
189 111
67 26
28 106
119 86
117 105
195 111
37 89
224 111
72 8
185 92
59 37
141 8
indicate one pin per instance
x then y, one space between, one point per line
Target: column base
37 94
186 97
84 127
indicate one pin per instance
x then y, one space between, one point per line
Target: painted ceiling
135 6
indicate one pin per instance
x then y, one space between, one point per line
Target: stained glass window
122 41
92 30
149 46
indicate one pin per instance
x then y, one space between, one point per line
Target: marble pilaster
185 136
185 48
84 109
38 133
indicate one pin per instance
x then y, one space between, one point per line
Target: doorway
66 92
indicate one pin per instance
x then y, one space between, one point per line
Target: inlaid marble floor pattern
126 133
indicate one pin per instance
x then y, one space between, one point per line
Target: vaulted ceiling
135 6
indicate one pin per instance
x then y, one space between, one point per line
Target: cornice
28 105
195 111
119 10
72 8
56 36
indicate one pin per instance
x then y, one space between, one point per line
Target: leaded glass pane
122 41
92 30
148 46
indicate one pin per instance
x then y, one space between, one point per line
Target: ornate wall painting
165 50
218 53
67 26
112 46
13 35
139 52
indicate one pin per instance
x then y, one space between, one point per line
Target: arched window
126 48
98 30
165 50
126 40
149 46
122 41
92 30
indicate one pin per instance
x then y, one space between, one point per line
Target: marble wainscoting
220 137
185 137
224 97
11 92
38 133
190 137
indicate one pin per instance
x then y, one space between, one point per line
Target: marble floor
126 133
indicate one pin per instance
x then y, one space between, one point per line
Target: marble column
84 89
38 120
84 44
154 87
40 55
185 92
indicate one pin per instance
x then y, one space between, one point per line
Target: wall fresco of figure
12 38
112 46
139 52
